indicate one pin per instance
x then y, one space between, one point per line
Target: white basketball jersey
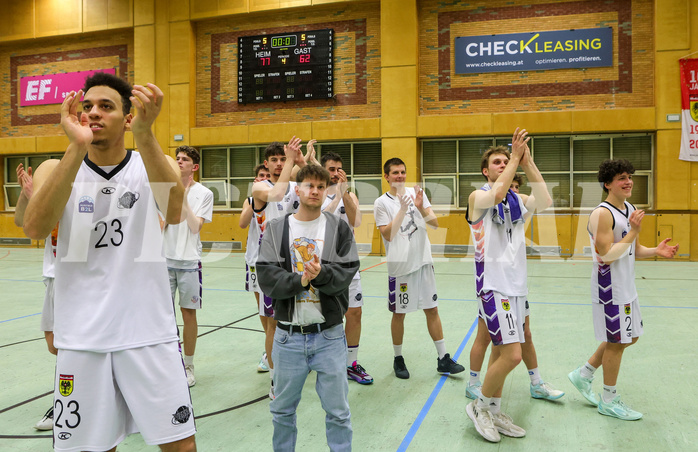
410 248
183 247
288 204
254 233
615 282
341 212
50 254
500 250
112 288
273 209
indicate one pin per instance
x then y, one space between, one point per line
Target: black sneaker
400 368
446 365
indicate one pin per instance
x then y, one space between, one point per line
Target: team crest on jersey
627 309
403 287
181 416
65 385
127 200
86 205
505 304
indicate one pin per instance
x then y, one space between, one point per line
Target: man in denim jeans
306 263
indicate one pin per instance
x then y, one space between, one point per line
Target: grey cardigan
339 263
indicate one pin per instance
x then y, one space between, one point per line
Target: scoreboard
285 67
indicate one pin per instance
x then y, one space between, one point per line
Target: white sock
535 376
609 393
495 405
587 370
188 360
483 403
397 349
440 347
474 377
352 354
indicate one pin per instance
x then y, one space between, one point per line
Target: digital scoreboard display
285 67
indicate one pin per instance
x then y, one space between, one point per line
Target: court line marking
18 318
372 266
430 401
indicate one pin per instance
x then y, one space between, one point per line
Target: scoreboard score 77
285 67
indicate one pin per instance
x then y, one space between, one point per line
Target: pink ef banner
52 88
689 110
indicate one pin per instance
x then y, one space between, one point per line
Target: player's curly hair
609 168
119 85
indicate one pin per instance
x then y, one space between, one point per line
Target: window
363 165
228 171
451 168
11 186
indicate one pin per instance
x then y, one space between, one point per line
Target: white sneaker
191 381
263 365
272 396
46 422
545 391
483 422
505 425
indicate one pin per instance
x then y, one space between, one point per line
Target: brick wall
50 56
629 83
356 69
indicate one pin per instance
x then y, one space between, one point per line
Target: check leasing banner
689 109
52 88
535 51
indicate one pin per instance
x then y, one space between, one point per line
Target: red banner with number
689 110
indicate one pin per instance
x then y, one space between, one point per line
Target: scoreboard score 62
285 67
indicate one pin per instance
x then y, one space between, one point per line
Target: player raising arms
497 218
118 368
614 227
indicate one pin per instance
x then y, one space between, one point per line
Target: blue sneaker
583 385
473 391
263 365
616 408
543 390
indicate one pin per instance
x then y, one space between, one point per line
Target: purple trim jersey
614 283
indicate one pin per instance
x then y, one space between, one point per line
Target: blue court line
18 318
430 401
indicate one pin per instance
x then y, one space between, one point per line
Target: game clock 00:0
285 67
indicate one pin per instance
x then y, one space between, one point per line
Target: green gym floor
424 413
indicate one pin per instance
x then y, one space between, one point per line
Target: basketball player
497 218
614 227
247 216
183 252
539 388
402 215
272 198
118 369
345 204
25 181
